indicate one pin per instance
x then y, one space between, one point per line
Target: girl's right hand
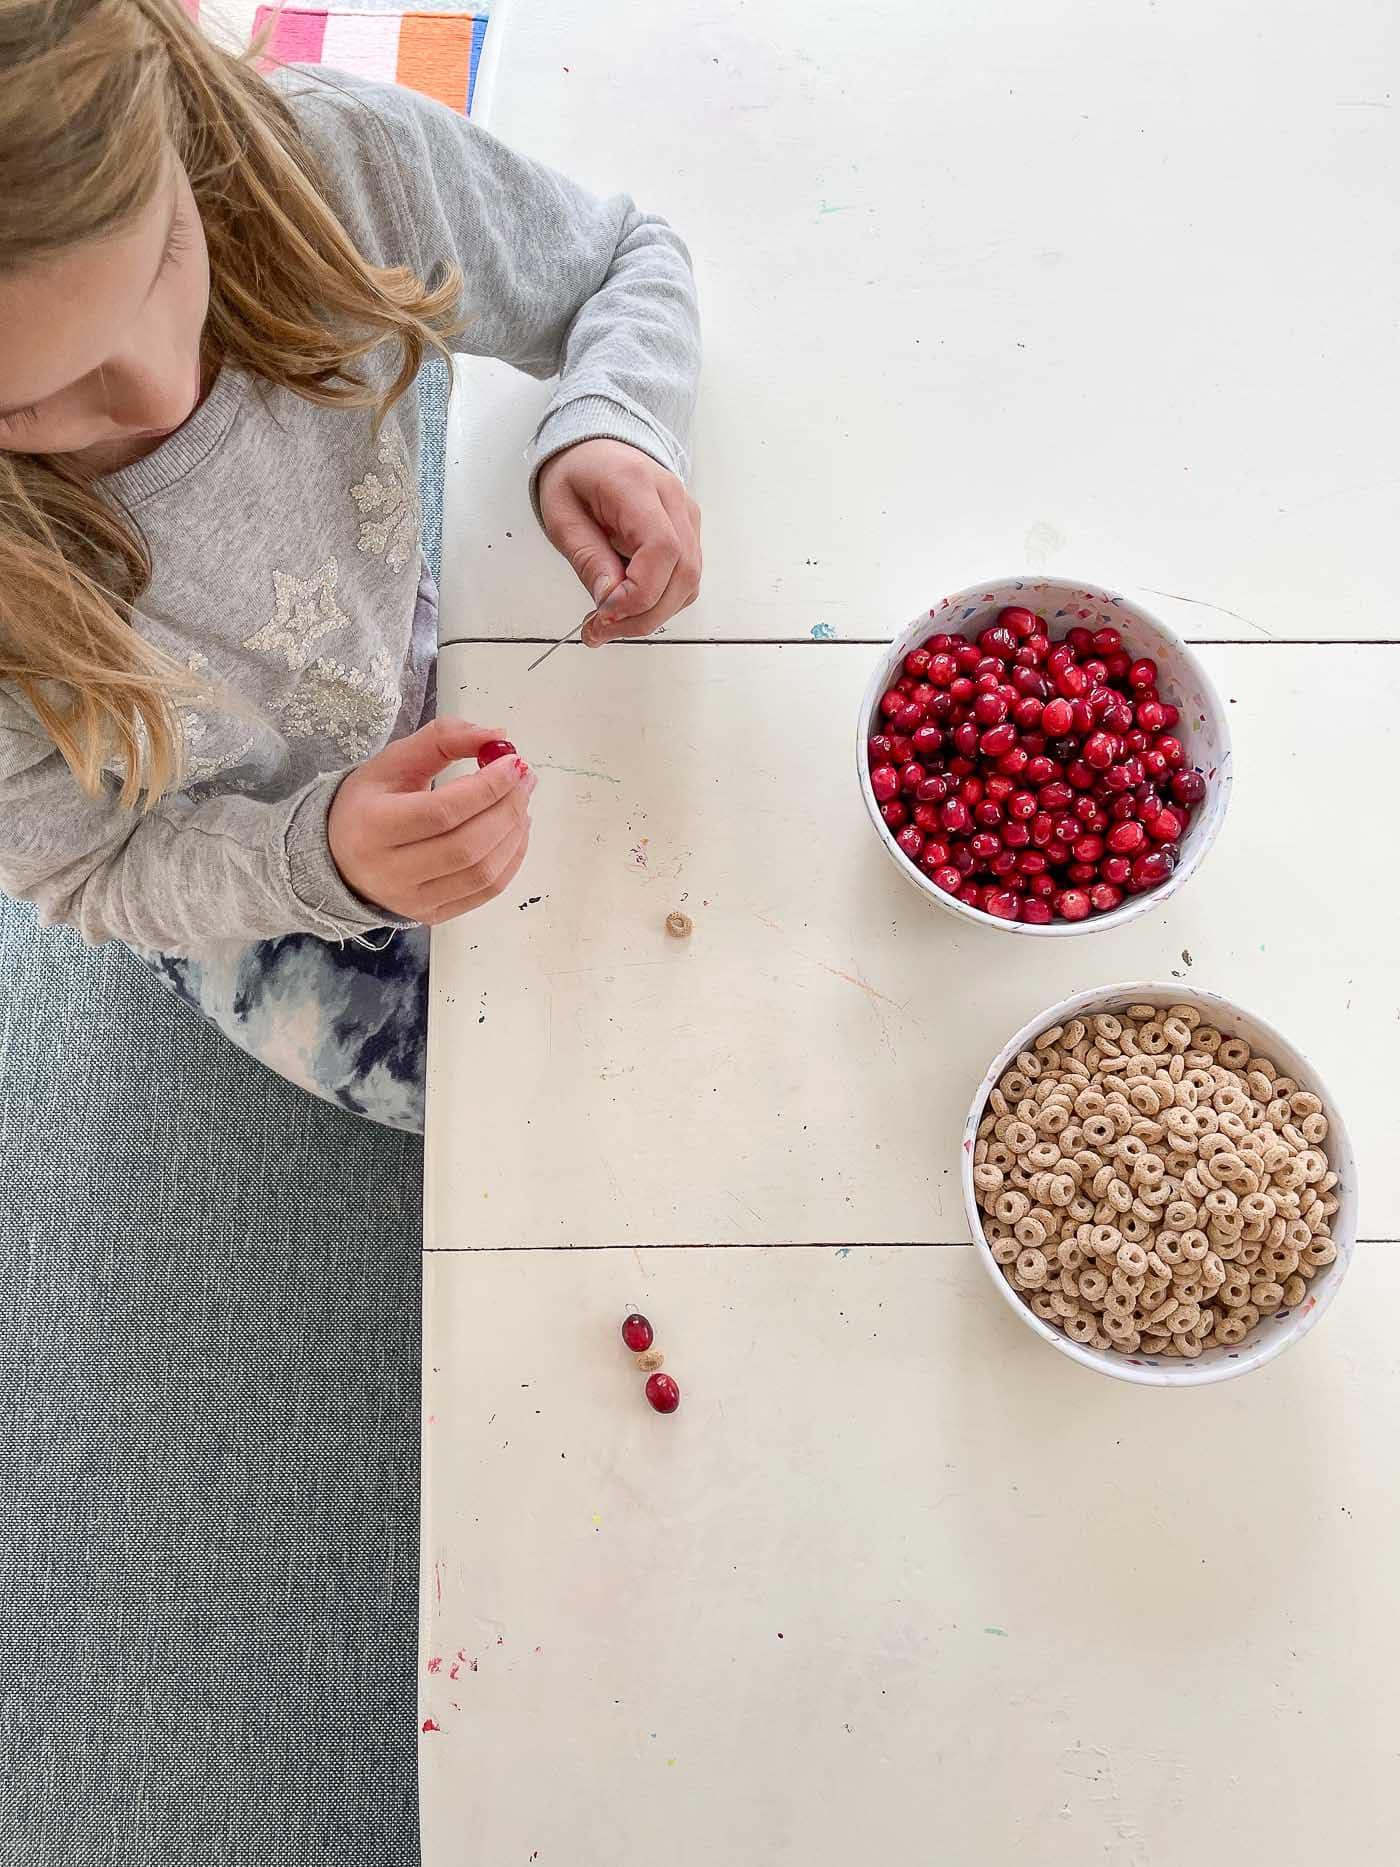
429 855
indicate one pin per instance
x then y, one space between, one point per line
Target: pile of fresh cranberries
1033 780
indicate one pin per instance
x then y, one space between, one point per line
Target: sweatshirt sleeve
557 281
176 877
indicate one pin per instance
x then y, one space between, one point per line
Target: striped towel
435 54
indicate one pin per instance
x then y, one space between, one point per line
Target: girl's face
100 356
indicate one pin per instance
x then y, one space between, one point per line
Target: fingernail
601 588
618 597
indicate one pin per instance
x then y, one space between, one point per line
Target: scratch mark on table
1199 602
578 771
860 984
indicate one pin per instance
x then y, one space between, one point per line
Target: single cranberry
1095 673
1087 848
901 749
1042 887
1072 904
1056 795
1151 716
1080 639
916 663
884 782
878 749
1034 743
960 766
1100 750
1081 873
966 738
986 678
934 855
1117 664
998 739
971 893
1104 897
942 670
1000 786
1036 913
891 702
1127 838
1171 750
1027 712
1060 656
492 750
927 741
924 695
1173 715
998 640
1081 716
1156 763
911 776
988 813
985 844
1041 769
947 878
1136 741
989 709
1021 622
1005 905
1003 863
1042 828
1107 641
962 858
1032 862
1153 868
637 1333
962 690
1021 806
933 788
1037 647
1123 807
911 841
1143 673
663 1393
1115 869
1119 778
941 706
905 686
1188 787
1056 854
925 817
956 816
1026 681
1167 825
1066 828
1086 810
908 717
895 813
1016 835
971 791
1149 805
1012 763
1057 718
1118 714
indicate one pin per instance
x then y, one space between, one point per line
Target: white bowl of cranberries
1043 757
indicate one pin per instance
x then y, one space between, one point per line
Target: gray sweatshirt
285 539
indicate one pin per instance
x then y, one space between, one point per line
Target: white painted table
1101 287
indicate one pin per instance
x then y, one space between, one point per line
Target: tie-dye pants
347 1023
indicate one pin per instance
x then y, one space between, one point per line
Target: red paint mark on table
435 1664
430 1724
437 1578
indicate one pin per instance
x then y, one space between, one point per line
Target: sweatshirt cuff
335 909
600 418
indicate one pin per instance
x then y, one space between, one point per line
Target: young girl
217 638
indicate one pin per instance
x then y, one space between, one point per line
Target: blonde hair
92 94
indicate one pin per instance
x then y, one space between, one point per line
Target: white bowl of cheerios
1159 1184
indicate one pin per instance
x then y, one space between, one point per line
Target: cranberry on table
663 1393
637 1333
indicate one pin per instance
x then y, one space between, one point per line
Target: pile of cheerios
1151 1186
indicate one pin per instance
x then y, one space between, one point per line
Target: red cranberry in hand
492 750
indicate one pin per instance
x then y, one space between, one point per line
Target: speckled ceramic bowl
1203 728
1272 1334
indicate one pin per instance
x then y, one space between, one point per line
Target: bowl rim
1133 905
1341 1159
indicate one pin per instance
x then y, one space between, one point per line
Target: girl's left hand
630 530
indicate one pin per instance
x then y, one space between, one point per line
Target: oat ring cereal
1149 1185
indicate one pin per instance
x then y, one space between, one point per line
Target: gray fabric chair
209 1418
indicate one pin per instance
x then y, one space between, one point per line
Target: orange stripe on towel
435 56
